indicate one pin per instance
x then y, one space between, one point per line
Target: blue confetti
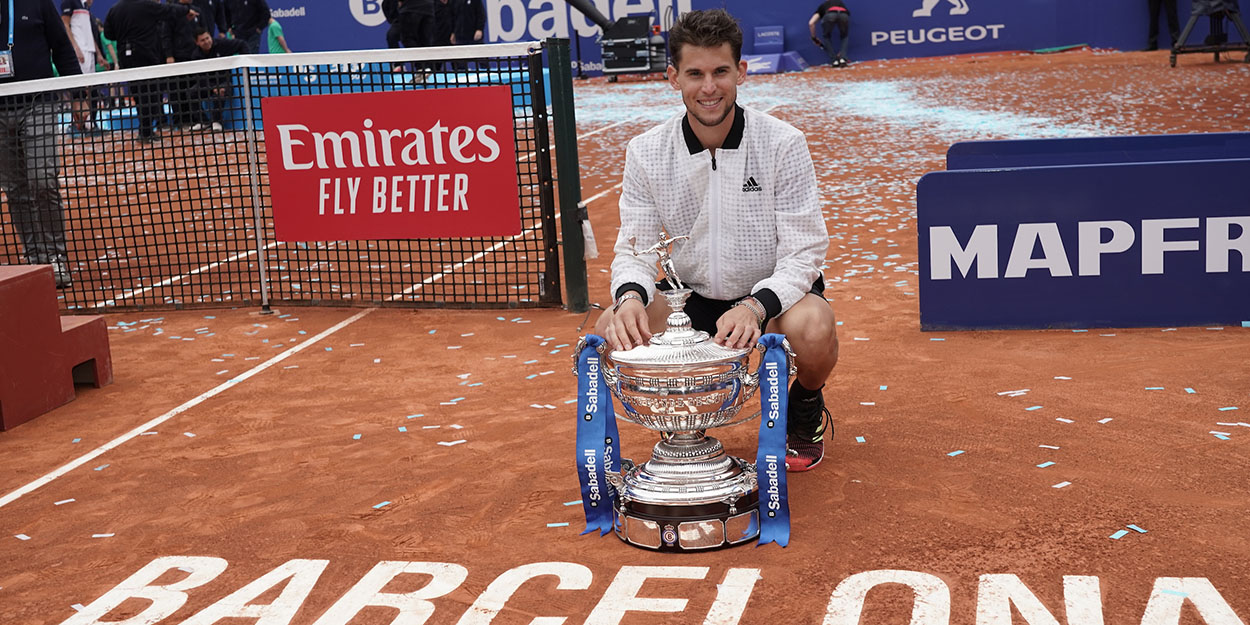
1228 408
414 416
1190 391
557 525
1119 534
1030 408
101 467
403 428
1045 464
1136 529
883 387
382 505
859 439
1154 388
956 452
1080 330
329 349
433 331
355 437
937 339
76 440
1221 437
573 503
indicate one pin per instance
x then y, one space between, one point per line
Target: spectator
390 9
277 42
469 17
213 16
136 27
247 18
215 87
829 14
107 47
443 20
109 95
416 23
29 154
76 15
1174 23
181 48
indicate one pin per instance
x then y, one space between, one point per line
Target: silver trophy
690 495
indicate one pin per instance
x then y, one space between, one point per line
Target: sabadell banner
879 29
393 165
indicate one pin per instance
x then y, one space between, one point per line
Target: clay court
1006 476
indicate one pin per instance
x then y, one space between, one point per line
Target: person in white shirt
741 185
76 14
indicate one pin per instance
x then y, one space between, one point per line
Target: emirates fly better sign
393 165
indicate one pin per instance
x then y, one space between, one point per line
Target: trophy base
679 528
690 496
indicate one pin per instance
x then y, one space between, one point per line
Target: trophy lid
679 345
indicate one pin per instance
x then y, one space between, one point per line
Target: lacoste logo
751 185
959 7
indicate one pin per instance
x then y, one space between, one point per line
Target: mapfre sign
393 165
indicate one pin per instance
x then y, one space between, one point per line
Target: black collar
732 140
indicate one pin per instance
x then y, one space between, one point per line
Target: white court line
612 125
529 155
221 388
13 496
213 265
604 192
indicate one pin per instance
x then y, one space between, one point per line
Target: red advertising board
393 165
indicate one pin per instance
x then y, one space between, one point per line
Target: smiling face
708 80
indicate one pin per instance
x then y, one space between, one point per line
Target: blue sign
1118 245
878 30
1095 150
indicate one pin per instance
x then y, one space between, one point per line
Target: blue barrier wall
1085 246
1097 150
879 29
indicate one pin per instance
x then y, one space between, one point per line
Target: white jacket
752 214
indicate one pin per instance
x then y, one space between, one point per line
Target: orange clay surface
292 461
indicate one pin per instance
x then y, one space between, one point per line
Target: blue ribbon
598 446
770 459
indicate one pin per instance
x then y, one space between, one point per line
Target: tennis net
151 188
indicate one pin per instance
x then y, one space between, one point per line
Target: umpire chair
1217 41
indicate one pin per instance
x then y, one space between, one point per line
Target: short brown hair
705 29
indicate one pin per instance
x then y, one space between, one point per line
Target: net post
568 177
254 177
549 291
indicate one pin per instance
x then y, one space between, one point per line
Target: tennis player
741 184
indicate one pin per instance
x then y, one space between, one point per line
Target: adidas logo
751 185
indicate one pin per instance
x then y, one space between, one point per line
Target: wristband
754 306
627 295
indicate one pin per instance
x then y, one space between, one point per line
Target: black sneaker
805 439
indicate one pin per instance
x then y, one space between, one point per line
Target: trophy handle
606 370
753 378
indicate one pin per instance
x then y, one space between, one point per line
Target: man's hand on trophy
629 327
739 327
